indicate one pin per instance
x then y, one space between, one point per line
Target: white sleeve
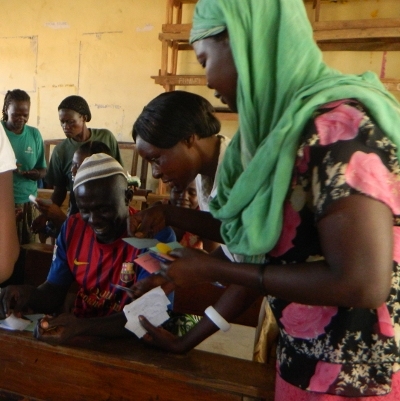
7 157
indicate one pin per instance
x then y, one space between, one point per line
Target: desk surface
125 369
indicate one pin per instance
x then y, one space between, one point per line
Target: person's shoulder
32 129
101 132
62 147
35 133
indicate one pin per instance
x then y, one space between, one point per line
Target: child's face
186 198
77 160
18 116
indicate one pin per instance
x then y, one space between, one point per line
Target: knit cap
78 104
95 167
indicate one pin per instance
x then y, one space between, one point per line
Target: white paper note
14 323
152 305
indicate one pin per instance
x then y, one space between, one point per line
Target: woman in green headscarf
308 195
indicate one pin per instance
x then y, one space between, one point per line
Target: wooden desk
125 369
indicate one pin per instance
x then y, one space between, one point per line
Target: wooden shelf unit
378 34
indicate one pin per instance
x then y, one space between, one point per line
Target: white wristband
217 319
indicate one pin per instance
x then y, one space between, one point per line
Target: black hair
173 116
92 147
16 95
78 104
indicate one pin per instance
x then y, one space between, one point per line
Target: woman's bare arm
9 246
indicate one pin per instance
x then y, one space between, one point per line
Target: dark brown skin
9 245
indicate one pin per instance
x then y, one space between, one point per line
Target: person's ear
189 141
128 196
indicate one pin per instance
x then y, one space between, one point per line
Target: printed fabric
350 352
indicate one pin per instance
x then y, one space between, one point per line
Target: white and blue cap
95 167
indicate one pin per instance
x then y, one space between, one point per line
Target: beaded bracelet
217 319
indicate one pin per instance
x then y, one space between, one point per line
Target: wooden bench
125 369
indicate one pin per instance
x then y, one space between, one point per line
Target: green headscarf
281 81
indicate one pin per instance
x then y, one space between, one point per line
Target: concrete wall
106 52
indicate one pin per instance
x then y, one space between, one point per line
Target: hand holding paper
152 305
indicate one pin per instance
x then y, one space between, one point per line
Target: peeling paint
146 28
57 25
101 33
107 106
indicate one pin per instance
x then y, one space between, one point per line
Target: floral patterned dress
350 352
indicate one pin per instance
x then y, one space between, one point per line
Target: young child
28 147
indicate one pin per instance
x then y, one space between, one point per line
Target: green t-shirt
29 152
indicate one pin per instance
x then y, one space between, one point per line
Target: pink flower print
306 321
302 162
291 220
385 323
366 173
325 374
396 244
339 124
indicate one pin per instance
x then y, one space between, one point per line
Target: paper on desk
141 243
152 305
13 322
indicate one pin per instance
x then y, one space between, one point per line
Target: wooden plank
176 28
125 369
358 33
357 24
359 45
391 84
180 36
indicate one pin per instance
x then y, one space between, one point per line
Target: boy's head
100 189
186 198
85 150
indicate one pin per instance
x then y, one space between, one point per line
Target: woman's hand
39 224
146 223
33 175
191 267
57 330
14 299
51 210
161 338
150 282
